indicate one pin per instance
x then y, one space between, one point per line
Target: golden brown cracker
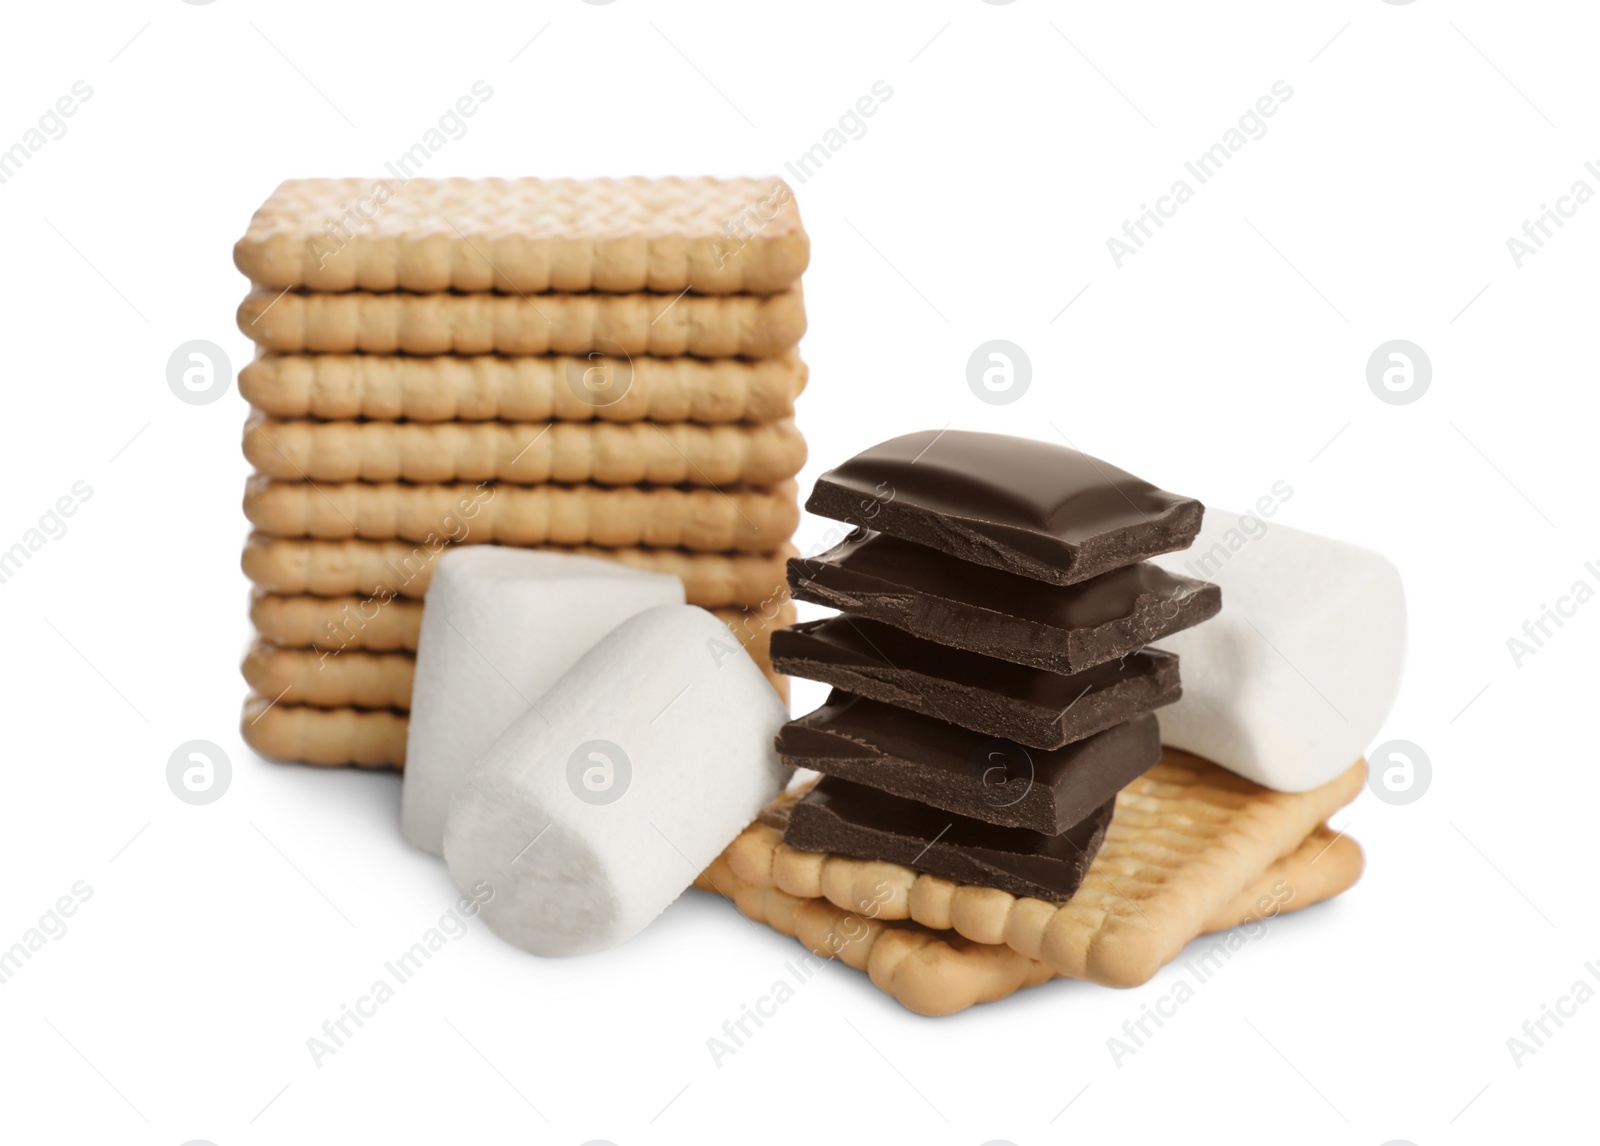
1186 840
709 520
379 571
556 388
331 737
349 676
662 325
314 705
330 679
637 453
715 236
352 622
935 972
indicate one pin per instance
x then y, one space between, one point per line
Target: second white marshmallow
658 752
1290 683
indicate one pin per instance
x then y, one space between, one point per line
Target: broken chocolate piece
1015 702
1032 508
983 778
1062 628
846 819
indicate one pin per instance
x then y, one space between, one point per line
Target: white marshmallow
659 751
1290 683
499 628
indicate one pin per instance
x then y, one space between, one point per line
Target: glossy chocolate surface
1034 508
982 777
1062 628
1038 708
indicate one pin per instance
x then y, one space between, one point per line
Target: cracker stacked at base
604 367
993 692
1192 849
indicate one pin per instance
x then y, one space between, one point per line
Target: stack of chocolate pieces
992 688
603 366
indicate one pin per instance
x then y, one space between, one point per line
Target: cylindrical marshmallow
499 627
657 752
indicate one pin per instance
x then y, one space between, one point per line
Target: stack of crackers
604 367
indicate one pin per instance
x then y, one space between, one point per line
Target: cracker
349 622
710 520
353 707
378 571
555 388
528 454
713 236
351 677
327 736
320 679
1187 839
940 972
335 623
721 326
338 737
1326 864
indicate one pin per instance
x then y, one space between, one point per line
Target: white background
1227 355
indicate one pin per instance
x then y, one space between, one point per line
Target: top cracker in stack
528 236
993 692
602 366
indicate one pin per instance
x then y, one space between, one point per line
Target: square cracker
1188 838
660 325
284 664
488 387
746 519
712 236
940 972
526 453
333 737
347 705
390 570
351 622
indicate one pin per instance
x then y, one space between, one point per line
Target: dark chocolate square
981 777
846 819
1032 508
1014 702
1062 628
